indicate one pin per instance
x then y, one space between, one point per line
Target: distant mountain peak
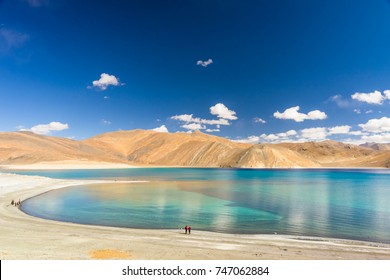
146 147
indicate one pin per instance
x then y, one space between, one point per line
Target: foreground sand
26 237
67 164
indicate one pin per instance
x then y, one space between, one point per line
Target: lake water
351 204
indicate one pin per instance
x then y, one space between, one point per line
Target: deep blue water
352 204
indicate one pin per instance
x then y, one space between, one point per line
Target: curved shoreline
27 237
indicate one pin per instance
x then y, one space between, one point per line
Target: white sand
68 164
26 237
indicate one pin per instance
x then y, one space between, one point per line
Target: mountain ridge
197 149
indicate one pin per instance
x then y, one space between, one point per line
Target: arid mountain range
149 148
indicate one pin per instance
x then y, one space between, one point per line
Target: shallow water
352 204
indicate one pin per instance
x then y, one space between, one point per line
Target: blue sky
254 71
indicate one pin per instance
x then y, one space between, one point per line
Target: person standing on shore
189 230
186 229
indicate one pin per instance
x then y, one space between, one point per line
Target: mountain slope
27 148
178 149
145 147
377 146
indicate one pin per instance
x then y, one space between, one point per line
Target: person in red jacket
186 228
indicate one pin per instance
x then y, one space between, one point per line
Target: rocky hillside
145 147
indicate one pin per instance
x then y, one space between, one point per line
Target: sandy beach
26 237
67 164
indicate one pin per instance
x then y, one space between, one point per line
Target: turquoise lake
351 204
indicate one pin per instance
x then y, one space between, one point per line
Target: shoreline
27 237
65 165
71 165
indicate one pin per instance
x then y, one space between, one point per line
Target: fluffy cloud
387 93
272 138
46 129
193 126
194 123
105 81
375 98
162 128
315 133
204 63
250 140
223 112
215 122
377 125
342 129
291 133
11 39
377 138
185 118
293 114
259 120
309 134
190 119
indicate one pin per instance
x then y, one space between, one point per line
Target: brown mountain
27 148
377 146
145 147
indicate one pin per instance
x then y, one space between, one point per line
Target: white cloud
315 133
310 134
387 93
106 97
193 126
194 123
357 111
250 140
316 115
288 136
259 120
293 114
375 98
184 118
377 125
189 118
105 81
377 138
342 129
357 133
105 122
46 129
162 128
368 111
270 137
291 133
215 122
223 112
213 130
204 63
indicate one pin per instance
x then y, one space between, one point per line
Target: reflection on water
344 204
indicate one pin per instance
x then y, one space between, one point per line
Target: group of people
15 203
187 229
